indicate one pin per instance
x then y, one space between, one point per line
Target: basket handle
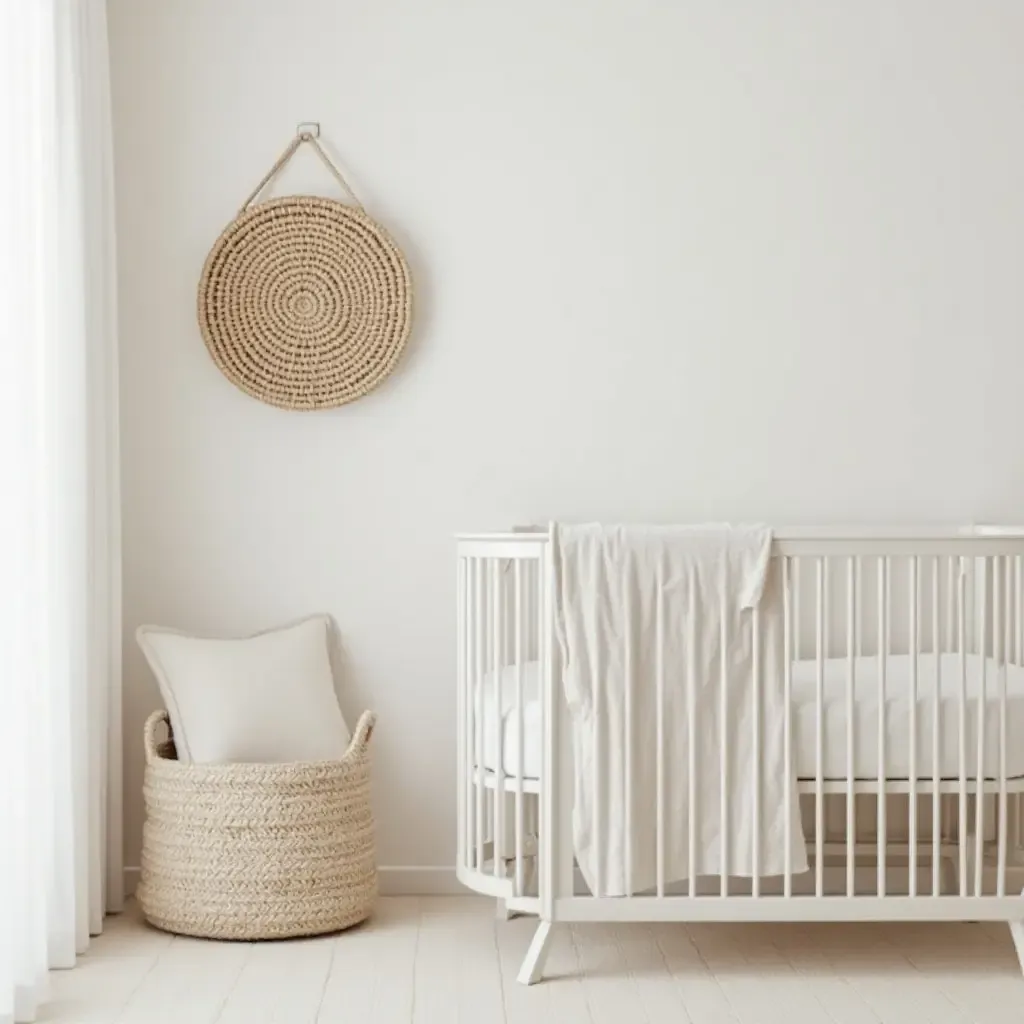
361 737
149 734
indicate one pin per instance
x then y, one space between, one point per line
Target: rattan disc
305 303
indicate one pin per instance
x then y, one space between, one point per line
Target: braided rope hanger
292 149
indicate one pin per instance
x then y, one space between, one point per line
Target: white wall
672 262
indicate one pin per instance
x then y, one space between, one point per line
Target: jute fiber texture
305 302
257 851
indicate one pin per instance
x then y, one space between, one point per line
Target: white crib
904 683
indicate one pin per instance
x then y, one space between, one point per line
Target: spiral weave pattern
305 302
257 851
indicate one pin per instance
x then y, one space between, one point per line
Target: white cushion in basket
268 697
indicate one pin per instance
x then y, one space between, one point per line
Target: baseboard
393 880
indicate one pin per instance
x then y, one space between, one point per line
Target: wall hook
310 128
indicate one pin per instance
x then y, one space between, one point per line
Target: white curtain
60 647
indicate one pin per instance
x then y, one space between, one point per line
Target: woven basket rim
354 757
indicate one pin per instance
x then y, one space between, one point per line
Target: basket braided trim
305 302
257 851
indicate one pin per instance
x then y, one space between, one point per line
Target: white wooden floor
442 960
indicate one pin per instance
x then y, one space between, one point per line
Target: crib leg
533 963
1017 934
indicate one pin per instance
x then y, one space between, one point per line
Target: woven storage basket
257 851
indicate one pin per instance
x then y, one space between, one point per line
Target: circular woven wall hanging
305 302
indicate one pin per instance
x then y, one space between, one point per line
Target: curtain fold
60 618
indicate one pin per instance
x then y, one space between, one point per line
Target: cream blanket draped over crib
621 594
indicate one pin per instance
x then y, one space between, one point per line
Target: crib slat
1018 610
627 781
858 624
498 798
949 807
799 574
915 645
936 712
599 795
851 646
858 809
883 642
469 718
659 729
692 738
755 853
520 724
819 787
552 792
961 644
857 608
1018 653
1001 652
979 800
478 726
460 710
787 725
951 603
472 711
723 745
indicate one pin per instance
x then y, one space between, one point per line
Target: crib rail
903 680
503 619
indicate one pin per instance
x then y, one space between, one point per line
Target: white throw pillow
268 697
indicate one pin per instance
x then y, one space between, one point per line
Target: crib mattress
945 677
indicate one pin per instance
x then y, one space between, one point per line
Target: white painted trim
394 880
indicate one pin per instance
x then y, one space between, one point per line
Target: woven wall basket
305 302
257 851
